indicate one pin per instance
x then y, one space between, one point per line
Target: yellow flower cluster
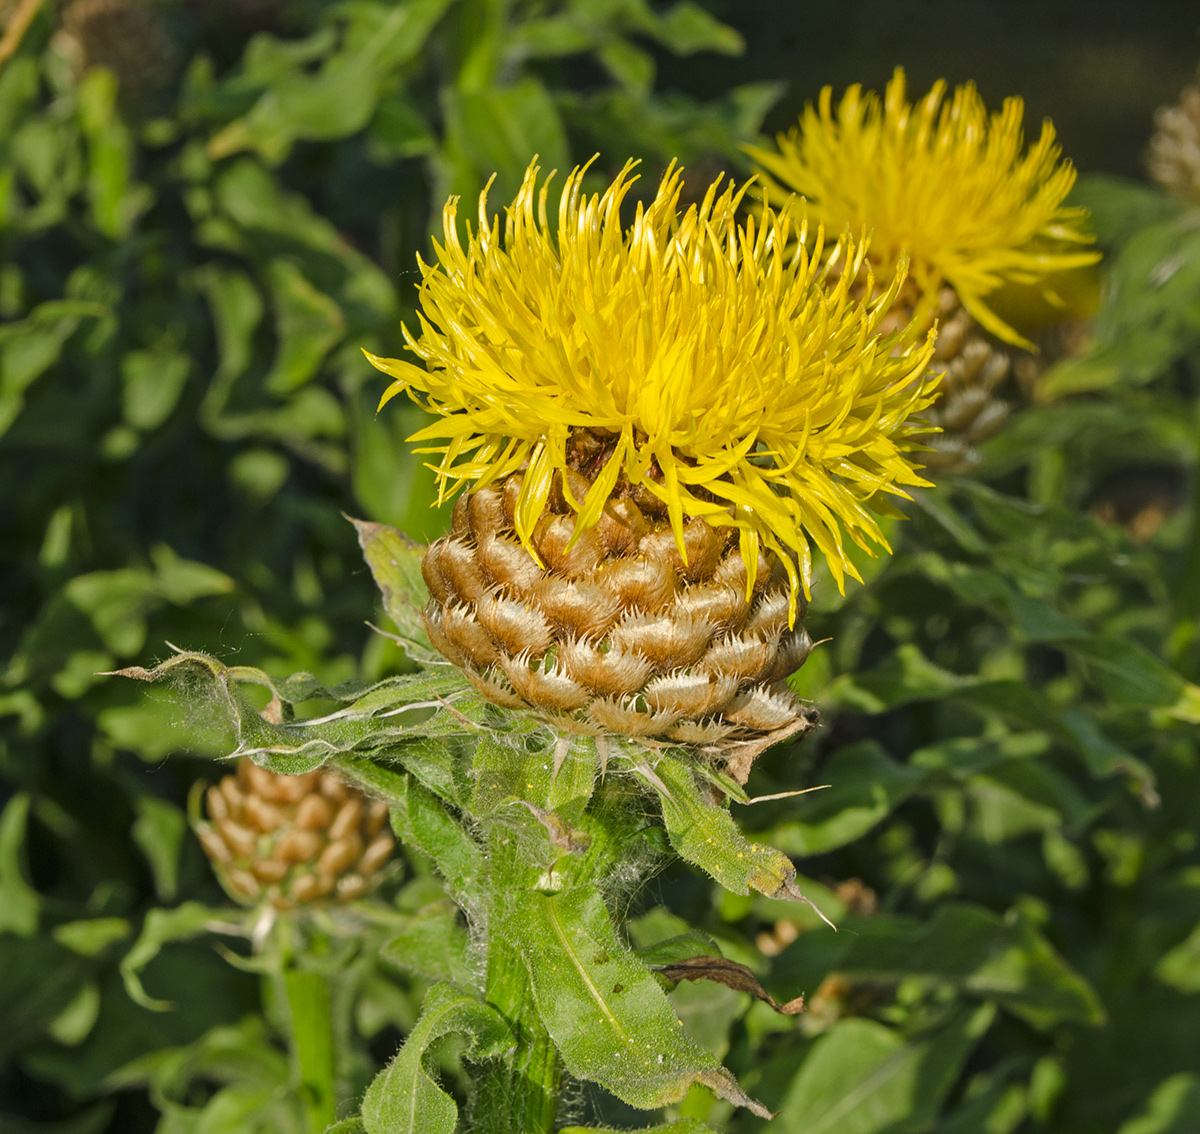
726 372
942 181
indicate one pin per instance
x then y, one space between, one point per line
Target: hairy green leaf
608 1017
404 1099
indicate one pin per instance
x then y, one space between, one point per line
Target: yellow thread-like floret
722 372
943 181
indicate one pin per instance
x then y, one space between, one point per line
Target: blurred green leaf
683 1126
501 129
116 201
19 902
159 831
1150 317
1173 1108
865 785
969 948
154 380
72 1025
1118 207
308 322
30 347
687 28
862 1077
89 938
161 927
1180 967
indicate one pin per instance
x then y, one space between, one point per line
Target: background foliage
196 238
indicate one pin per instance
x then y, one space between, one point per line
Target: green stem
517 1095
312 1044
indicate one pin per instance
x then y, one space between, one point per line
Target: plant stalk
312 1044
519 1094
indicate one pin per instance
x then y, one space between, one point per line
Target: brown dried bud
461 569
292 840
668 643
468 636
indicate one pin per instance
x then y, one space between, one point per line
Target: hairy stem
517 1095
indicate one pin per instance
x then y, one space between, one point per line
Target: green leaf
681 947
863 1078
1128 673
424 824
967 947
683 1126
159 831
41 981
866 785
1149 317
29 347
403 1097
339 98
550 36
609 1018
1173 1108
116 200
512 765
308 323
687 28
153 382
90 938
237 311
500 129
629 65
432 764
395 563
1119 207
160 928
19 902
244 1055
705 835
905 676
433 945
1180 967
348 1126
72 1025
377 716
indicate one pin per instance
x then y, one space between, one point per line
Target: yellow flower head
723 375
944 182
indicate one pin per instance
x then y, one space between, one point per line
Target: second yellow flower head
942 181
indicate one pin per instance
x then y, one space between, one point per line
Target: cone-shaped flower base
615 633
